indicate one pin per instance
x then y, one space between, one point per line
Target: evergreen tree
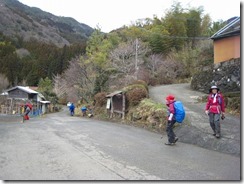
193 24
45 87
9 63
175 24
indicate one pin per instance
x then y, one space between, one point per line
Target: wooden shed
45 105
16 98
227 41
21 92
116 103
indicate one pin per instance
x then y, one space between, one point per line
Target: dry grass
148 115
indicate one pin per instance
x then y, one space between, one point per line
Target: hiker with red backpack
215 109
27 109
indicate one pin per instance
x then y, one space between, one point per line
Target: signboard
108 103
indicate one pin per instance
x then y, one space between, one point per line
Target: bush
100 99
166 80
62 100
233 102
140 82
160 79
135 95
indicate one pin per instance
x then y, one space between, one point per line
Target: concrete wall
226 49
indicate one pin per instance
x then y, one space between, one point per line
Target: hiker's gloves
206 112
170 117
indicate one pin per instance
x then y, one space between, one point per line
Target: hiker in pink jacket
170 99
215 109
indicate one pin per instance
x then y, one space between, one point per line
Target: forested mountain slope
19 20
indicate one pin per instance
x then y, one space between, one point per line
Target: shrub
165 80
233 102
160 79
62 100
100 99
135 95
140 82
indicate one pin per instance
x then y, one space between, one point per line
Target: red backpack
30 106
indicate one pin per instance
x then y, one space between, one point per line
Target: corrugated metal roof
41 95
233 28
4 93
23 88
114 93
45 102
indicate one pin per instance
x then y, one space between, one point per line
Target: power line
186 37
180 37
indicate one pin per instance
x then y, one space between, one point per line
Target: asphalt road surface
60 147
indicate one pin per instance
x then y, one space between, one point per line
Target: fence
16 106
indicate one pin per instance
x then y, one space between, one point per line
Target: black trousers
170 132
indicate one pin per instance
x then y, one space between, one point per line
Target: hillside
19 20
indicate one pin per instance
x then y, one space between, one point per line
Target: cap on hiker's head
170 97
213 87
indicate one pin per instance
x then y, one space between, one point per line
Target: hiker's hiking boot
176 139
217 135
172 143
168 143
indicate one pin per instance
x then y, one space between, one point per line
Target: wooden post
112 108
11 106
123 105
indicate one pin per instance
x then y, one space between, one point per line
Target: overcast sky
112 14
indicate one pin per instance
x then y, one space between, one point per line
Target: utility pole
136 67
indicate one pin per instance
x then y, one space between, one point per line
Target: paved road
196 129
60 147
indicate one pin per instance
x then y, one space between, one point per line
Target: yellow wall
226 49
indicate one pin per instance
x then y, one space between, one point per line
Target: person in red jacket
27 109
215 107
170 99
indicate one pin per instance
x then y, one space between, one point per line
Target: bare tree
164 69
127 57
154 62
77 81
171 69
122 58
59 86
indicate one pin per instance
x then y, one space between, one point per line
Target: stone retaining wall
225 75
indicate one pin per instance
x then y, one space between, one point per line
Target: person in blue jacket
72 109
83 110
